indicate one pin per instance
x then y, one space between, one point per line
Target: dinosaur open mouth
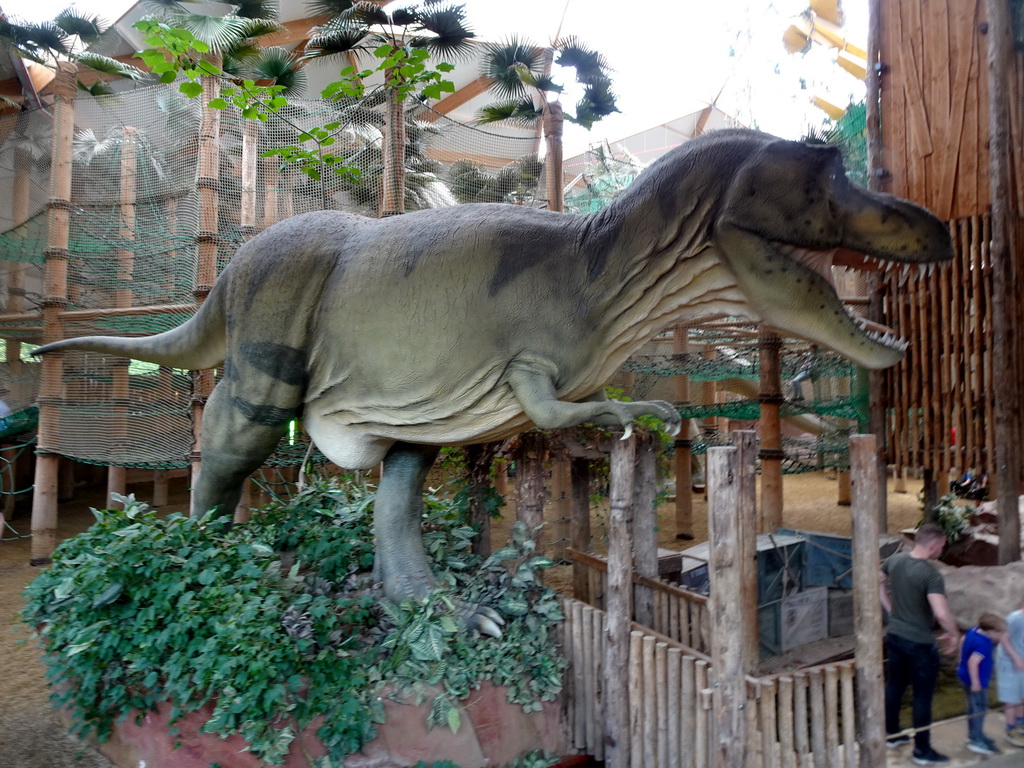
821 263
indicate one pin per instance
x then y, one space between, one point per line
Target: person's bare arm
940 609
1015 657
973 664
883 592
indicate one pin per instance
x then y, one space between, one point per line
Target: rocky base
493 733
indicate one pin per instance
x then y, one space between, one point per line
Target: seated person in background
963 485
979 489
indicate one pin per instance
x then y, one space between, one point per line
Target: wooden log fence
804 719
681 689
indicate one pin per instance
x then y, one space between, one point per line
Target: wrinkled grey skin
465 324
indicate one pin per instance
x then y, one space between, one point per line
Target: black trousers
916 665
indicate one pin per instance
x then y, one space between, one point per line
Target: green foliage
276 622
952 517
177 52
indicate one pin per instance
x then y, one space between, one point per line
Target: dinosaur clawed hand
659 409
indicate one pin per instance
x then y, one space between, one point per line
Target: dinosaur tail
198 343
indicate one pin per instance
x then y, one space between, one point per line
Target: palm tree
66 37
363 27
521 77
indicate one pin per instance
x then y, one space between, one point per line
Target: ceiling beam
453 101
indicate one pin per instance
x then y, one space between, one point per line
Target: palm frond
256 9
167 9
344 39
45 37
588 63
86 28
218 32
364 14
403 17
597 102
514 112
499 64
451 36
236 56
281 67
328 7
99 88
109 66
260 27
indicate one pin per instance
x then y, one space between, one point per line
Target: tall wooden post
619 604
554 122
55 285
479 459
684 477
645 526
866 607
876 173
727 642
530 486
770 427
745 442
392 197
120 390
580 525
206 240
1004 284
559 507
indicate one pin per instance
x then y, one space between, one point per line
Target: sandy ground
32 737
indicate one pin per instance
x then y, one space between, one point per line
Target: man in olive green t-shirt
914 594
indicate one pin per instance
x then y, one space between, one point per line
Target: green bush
277 621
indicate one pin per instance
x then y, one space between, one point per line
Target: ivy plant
276 622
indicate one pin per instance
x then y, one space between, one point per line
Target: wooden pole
206 240
559 508
479 459
619 604
727 643
392 197
554 122
580 525
684 478
530 485
745 442
645 527
876 174
55 289
770 427
866 606
1005 289
121 388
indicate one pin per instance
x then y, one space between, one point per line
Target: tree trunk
478 465
392 196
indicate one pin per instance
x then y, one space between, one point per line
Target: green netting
135 226
19 422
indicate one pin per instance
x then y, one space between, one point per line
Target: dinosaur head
788 209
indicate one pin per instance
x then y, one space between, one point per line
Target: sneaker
897 741
982 747
929 757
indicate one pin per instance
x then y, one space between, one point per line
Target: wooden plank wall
934 118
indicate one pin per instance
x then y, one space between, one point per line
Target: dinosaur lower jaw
821 263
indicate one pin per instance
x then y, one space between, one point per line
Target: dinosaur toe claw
486 627
629 431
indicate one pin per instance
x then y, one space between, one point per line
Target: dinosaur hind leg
401 562
242 424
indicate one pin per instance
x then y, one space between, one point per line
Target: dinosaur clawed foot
484 620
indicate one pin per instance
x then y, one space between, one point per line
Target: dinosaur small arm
393 337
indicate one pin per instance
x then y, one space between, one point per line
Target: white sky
669 57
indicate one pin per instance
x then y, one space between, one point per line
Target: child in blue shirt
977 657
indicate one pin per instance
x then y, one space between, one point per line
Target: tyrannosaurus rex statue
459 325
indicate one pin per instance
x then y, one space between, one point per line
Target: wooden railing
678 613
805 719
